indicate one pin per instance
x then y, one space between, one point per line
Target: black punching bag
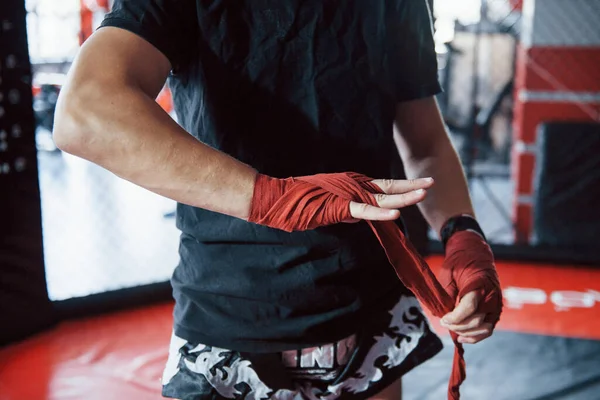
24 304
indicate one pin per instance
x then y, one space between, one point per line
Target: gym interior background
84 253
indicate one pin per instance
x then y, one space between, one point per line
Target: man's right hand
304 203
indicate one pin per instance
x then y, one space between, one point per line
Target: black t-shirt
291 87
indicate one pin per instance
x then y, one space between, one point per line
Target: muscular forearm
126 132
426 151
449 196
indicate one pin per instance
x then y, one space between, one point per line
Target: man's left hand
469 275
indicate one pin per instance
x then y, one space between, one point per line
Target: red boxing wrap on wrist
309 202
297 204
469 266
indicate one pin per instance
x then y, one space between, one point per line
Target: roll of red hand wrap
309 202
469 266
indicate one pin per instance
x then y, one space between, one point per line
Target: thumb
465 308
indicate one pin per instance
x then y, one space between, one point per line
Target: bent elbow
65 134
70 131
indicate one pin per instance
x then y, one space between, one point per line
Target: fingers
365 211
400 200
476 335
473 330
470 324
484 329
398 194
400 186
465 309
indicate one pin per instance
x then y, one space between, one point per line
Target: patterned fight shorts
354 368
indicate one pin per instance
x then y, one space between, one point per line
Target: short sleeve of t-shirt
169 25
411 50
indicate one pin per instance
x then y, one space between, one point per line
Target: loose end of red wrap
459 369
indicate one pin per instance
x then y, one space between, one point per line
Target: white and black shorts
354 368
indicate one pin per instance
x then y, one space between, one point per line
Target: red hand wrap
469 266
313 201
298 204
